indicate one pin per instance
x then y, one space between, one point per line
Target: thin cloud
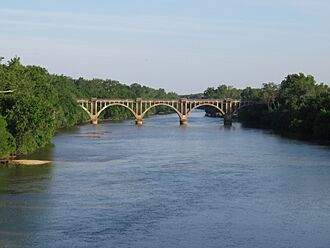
194 27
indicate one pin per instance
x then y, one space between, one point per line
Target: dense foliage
42 103
298 105
7 143
221 92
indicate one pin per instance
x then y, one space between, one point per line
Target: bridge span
183 107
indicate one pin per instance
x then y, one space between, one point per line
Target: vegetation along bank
42 102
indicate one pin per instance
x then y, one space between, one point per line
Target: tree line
42 102
297 105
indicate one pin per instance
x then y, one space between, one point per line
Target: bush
7 142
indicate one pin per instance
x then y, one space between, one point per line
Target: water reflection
23 194
25 179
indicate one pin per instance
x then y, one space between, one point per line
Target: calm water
164 186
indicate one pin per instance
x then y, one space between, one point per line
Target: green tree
269 93
250 94
7 142
221 92
295 90
297 105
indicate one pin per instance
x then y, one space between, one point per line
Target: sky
179 45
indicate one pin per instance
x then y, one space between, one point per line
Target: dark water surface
164 186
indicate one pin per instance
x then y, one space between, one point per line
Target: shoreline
287 134
17 162
284 134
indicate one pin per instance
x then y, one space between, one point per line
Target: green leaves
297 105
42 103
222 92
250 94
7 142
295 91
31 121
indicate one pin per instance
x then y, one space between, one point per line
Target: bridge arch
206 104
161 104
235 112
115 104
87 111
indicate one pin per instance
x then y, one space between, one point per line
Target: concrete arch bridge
183 107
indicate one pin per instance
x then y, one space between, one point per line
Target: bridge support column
93 112
183 121
139 120
94 120
183 111
227 120
138 117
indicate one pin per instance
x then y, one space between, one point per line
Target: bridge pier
227 121
139 112
94 120
183 121
139 121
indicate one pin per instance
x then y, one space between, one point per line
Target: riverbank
54 98
286 134
14 162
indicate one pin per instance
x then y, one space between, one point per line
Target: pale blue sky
180 45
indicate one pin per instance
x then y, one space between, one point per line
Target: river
161 185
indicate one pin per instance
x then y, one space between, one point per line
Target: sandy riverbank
25 162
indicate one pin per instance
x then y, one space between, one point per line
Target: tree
16 61
7 142
298 105
221 92
295 90
269 94
250 94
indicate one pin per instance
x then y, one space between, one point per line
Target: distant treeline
42 102
297 105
